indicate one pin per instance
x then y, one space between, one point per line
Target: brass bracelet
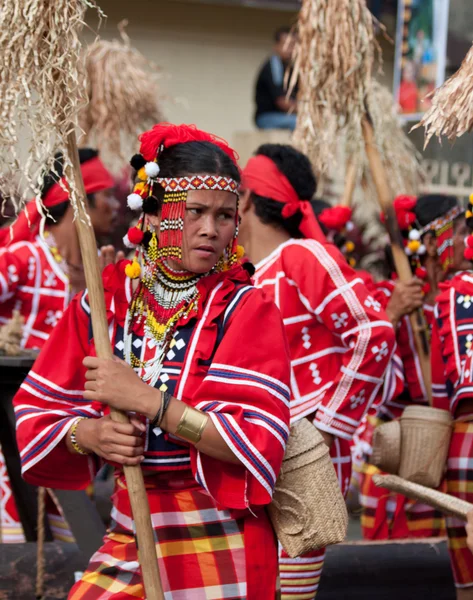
192 425
74 443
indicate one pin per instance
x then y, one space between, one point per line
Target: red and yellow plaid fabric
460 484
300 576
390 516
200 548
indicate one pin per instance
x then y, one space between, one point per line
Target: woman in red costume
208 394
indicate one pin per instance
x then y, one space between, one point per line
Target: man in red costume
339 337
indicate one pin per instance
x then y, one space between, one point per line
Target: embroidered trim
197 182
442 221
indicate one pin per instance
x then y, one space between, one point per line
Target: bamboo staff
351 177
447 504
42 88
403 269
133 474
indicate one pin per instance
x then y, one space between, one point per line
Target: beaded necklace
52 247
163 297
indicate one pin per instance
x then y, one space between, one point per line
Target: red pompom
421 272
469 241
404 203
426 288
468 254
168 135
405 219
135 235
335 217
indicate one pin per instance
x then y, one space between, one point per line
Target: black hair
56 213
298 170
432 206
191 158
282 31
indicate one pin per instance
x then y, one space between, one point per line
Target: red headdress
335 217
262 177
27 225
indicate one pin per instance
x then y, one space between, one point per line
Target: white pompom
127 243
414 234
408 251
152 169
350 226
134 201
422 250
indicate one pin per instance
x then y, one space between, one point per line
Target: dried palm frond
400 156
333 62
124 98
451 113
41 89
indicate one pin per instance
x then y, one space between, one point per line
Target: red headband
262 177
26 227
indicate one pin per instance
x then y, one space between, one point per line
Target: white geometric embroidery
52 317
137 343
50 280
370 302
469 341
170 355
465 300
12 274
380 352
357 400
339 320
306 338
120 345
315 373
180 344
164 377
31 267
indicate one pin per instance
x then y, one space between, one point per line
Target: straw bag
386 454
425 439
308 510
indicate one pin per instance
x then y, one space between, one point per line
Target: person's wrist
84 434
150 401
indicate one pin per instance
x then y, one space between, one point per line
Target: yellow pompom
349 246
471 198
352 262
468 214
142 174
414 245
133 269
240 252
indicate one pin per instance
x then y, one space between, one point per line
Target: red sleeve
246 393
49 401
439 386
338 298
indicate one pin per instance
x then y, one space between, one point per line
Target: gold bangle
192 425
74 443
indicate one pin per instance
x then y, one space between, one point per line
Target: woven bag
386 453
308 510
425 439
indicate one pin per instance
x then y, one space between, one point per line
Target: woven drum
308 510
425 439
386 453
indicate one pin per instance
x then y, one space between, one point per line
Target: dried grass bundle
451 113
400 156
333 62
124 98
41 89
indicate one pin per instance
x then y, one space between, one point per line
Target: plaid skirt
390 516
460 484
300 576
203 551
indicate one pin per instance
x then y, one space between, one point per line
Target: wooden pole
350 183
451 505
401 262
133 475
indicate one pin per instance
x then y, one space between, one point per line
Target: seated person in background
273 109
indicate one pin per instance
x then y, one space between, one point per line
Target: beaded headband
198 182
443 229
442 221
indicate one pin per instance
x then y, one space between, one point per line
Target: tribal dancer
38 275
340 339
389 515
201 361
452 339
